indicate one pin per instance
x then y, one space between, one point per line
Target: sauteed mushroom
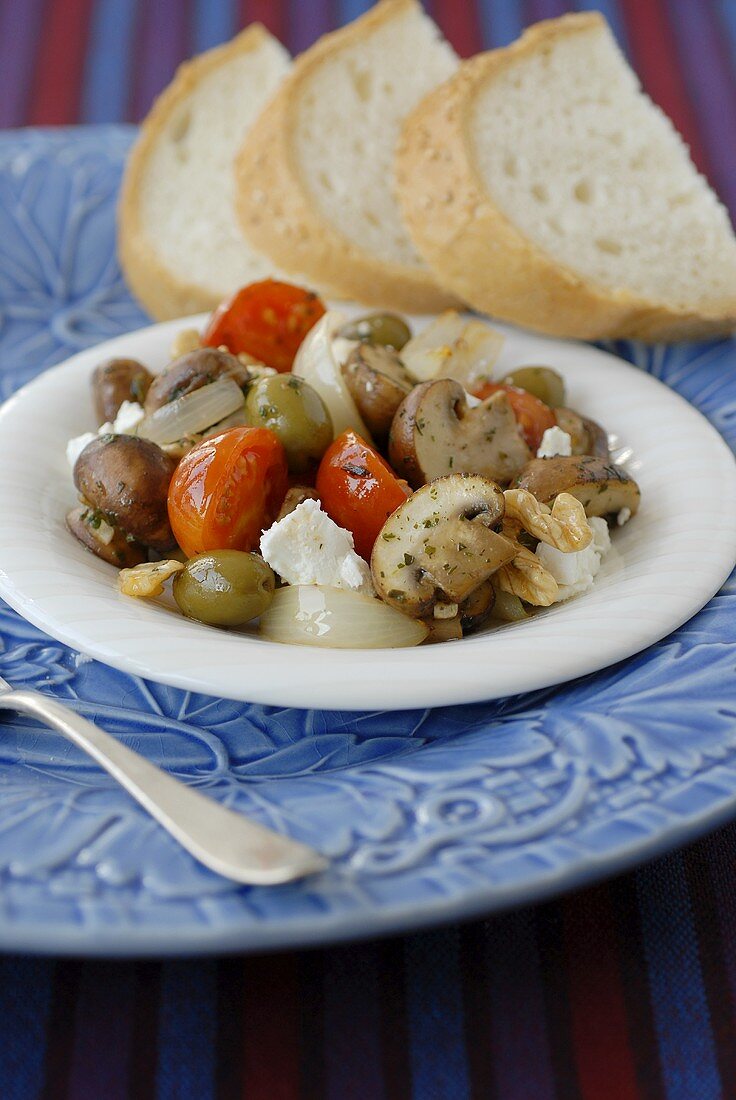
191 372
107 542
116 381
439 547
127 480
378 383
586 436
436 432
600 486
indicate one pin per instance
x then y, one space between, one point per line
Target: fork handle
225 841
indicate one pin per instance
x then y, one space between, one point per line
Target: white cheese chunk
129 417
576 572
307 547
554 442
623 517
75 446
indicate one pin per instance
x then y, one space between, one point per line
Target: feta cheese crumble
307 547
623 517
75 446
576 572
129 417
554 442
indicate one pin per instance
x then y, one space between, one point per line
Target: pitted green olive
224 588
541 382
294 412
378 328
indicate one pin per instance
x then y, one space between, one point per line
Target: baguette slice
315 174
542 186
179 242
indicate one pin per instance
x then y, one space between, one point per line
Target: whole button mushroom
116 381
601 487
109 543
192 371
439 547
436 432
378 383
587 437
127 480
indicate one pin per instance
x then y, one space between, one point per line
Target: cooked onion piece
193 413
316 615
317 364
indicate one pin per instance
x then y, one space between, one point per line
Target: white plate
664 567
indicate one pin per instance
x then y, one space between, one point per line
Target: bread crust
479 254
279 217
160 292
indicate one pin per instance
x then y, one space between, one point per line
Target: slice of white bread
542 186
179 242
316 171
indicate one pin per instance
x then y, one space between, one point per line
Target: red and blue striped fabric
626 990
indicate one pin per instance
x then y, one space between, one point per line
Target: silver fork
221 839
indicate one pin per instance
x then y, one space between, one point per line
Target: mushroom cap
127 478
439 546
192 371
436 432
119 551
600 486
378 383
587 437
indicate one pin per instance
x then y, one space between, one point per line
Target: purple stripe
712 89
19 25
99 1063
522 1064
351 1022
544 9
162 45
307 21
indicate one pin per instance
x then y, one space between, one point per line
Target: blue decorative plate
427 815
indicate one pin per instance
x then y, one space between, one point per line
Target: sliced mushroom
191 372
116 381
439 546
106 541
127 480
600 486
436 432
587 437
378 382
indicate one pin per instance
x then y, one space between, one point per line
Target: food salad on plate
341 481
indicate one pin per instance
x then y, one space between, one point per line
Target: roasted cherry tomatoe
532 415
226 490
358 489
267 320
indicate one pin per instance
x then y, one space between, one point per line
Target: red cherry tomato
532 415
358 489
267 320
226 490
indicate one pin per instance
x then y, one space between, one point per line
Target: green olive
541 382
294 412
378 328
224 587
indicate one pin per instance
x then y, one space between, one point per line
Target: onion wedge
313 614
316 363
192 414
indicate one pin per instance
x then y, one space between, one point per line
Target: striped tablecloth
625 990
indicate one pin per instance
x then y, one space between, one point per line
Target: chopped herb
450 461
355 470
395 594
430 551
294 383
420 425
408 559
388 536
